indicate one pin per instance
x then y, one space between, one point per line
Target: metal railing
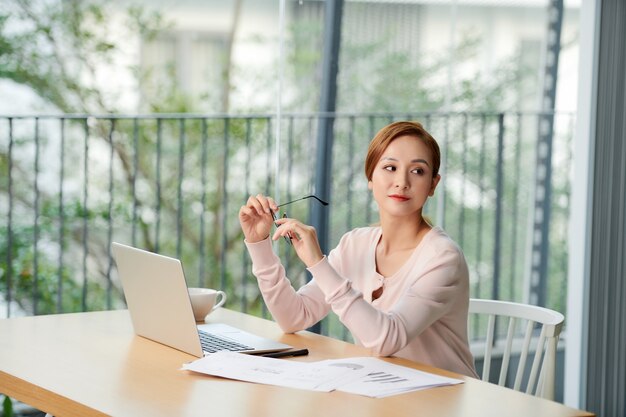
72 184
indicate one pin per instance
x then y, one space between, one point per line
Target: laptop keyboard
212 343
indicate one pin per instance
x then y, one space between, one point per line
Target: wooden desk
92 364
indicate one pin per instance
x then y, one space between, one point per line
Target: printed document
383 379
363 375
271 371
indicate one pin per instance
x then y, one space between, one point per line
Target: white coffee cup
204 301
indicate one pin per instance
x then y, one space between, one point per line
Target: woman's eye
389 168
418 171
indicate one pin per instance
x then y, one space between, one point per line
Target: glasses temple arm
324 203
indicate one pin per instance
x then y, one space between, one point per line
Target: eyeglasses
288 238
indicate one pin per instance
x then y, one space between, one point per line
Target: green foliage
58 48
35 275
7 407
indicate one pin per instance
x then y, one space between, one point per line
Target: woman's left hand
303 238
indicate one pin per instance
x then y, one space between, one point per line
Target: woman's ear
370 185
434 185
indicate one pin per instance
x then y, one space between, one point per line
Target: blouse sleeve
427 300
293 311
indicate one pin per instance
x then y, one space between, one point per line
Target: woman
401 288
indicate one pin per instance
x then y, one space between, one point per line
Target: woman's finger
304 239
272 204
255 203
282 228
265 204
293 229
249 212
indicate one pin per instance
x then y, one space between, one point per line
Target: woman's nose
402 181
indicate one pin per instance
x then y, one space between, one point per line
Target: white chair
542 372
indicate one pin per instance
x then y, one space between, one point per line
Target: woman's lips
399 197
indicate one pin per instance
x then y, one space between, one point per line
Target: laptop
160 309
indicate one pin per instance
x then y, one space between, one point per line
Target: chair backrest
542 374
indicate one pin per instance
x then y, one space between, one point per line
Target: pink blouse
421 314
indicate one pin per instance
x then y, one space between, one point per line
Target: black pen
299 352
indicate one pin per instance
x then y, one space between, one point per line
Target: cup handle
222 300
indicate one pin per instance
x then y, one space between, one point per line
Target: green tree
61 50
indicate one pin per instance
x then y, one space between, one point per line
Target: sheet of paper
384 379
363 375
271 371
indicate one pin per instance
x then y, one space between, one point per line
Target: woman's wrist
253 240
315 261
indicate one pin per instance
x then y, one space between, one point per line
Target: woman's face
402 179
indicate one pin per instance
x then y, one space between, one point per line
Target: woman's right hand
256 218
